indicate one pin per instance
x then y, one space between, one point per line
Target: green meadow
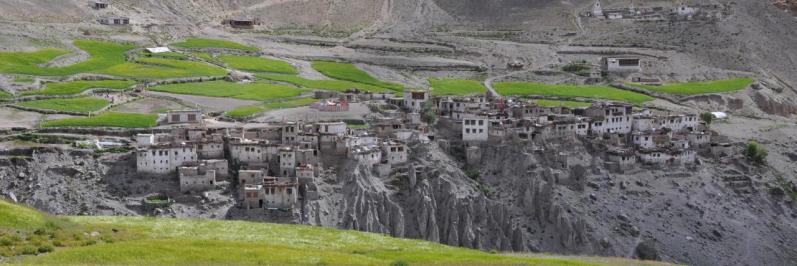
107 119
200 43
700 87
76 87
159 68
246 91
325 84
457 87
350 72
258 64
570 91
65 240
80 105
248 111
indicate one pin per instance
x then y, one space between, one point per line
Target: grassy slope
159 68
247 111
249 91
345 71
692 88
107 119
166 241
459 87
570 91
75 87
258 64
326 84
199 43
81 105
4 94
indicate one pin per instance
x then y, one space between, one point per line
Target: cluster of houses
630 136
679 11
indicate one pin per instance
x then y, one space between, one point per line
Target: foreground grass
99 240
200 43
248 111
702 87
570 91
555 103
75 87
458 87
80 105
107 119
245 91
326 84
258 64
349 72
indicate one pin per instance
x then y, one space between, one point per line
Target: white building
196 178
475 129
621 64
184 116
164 159
287 162
684 10
414 100
394 152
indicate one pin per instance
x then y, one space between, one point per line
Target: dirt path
489 81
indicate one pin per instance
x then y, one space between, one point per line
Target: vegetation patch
555 103
346 71
5 94
702 87
247 91
248 111
570 91
200 43
76 87
80 105
459 87
326 84
258 64
166 55
159 68
107 119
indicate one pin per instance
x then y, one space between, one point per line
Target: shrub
756 153
29 250
6 241
399 263
46 248
707 117
575 67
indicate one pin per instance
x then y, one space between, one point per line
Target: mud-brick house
98 4
196 178
114 21
184 117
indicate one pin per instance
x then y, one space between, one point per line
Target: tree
428 114
707 117
756 153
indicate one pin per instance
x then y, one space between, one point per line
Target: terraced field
258 64
701 87
456 87
107 119
570 91
326 84
80 105
76 87
249 111
350 72
246 91
200 43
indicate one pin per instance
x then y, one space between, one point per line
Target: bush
6 241
575 67
707 117
399 263
46 248
29 250
756 153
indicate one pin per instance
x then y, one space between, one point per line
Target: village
276 166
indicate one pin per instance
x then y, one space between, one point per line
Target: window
481 122
175 118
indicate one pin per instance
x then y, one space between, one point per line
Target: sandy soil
148 105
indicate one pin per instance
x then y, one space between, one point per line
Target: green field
75 87
555 103
80 105
245 91
199 43
107 119
166 241
247 111
159 68
350 72
570 91
326 84
702 87
166 55
459 87
5 94
258 64
106 58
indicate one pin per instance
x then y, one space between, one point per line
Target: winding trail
489 81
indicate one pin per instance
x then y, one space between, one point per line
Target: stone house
184 117
196 178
